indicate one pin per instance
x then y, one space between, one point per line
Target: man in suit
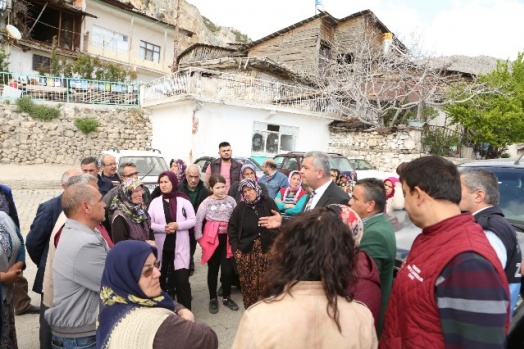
368 201
316 175
37 244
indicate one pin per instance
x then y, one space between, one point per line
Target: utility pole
174 66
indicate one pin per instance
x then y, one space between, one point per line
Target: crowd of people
313 254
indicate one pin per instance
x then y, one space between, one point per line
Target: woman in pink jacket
172 215
216 251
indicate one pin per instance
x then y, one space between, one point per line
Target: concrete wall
24 140
191 129
136 28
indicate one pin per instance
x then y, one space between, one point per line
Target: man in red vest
451 291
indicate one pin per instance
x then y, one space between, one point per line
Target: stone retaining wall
24 140
383 148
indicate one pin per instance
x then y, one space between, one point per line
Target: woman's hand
171 227
289 206
10 276
186 314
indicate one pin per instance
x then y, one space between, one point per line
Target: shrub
87 125
505 155
37 111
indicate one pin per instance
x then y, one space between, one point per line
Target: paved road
224 323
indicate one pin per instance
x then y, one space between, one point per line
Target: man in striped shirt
451 291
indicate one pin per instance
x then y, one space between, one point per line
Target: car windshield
146 165
361 164
341 163
511 187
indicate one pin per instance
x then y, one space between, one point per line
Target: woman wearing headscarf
394 196
130 220
291 200
347 180
306 301
134 311
246 171
12 262
172 215
367 288
179 168
249 241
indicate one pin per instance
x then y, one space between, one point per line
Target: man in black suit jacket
323 191
316 175
37 244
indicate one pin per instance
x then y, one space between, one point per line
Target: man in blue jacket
273 179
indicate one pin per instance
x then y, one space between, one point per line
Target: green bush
87 125
37 111
505 155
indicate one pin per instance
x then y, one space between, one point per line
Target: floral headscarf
297 190
181 174
248 182
120 292
122 201
351 219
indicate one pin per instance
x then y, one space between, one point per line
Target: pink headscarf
393 180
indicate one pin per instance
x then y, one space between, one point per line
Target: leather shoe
213 306
228 302
32 309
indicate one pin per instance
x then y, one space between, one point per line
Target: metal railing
68 90
233 87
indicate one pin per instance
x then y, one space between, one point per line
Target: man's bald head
68 174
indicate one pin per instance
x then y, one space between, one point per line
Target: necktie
310 201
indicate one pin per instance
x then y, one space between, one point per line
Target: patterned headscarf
393 181
297 190
351 219
246 166
248 182
181 174
173 194
120 292
122 201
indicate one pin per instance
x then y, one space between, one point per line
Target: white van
149 164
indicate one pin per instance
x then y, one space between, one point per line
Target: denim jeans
74 343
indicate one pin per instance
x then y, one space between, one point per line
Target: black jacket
234 171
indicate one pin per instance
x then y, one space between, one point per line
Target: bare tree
378 81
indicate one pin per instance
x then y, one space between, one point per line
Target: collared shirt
318 194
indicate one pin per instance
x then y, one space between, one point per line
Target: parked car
293 161
204 161
149 164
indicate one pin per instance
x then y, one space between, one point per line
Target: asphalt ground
34 184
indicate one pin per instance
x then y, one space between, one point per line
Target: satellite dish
13 32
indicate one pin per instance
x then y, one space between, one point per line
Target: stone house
254 95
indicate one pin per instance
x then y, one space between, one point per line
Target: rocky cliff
190 19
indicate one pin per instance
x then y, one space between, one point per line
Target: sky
442 27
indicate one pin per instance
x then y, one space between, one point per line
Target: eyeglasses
149 271
131 174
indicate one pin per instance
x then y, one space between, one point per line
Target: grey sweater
77 272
